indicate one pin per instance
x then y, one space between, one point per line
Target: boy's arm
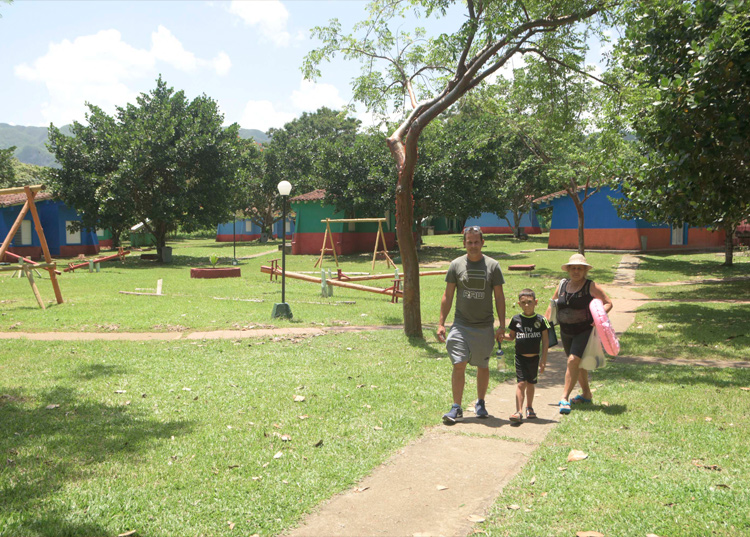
510 336
545 348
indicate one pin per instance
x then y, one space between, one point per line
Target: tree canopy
688 70
164 161
431 73
7 169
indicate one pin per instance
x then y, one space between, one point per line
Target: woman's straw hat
576 259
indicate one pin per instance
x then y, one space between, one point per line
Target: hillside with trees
31 148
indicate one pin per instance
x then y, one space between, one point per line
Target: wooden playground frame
329 237
27 266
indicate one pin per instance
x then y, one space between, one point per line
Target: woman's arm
598 292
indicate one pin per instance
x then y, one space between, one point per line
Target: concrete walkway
407 494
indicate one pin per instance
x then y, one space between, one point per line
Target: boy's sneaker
453 415
480 410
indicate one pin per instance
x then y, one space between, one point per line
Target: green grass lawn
675 267
93 302
690 330
668 455
726 290
180 438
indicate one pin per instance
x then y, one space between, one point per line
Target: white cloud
310 96
98 69
167 48
270 16
262 115
91 68
221 63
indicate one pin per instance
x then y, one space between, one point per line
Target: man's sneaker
453 415
480 410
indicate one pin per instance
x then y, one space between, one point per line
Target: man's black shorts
527 368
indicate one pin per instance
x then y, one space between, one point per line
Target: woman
573 296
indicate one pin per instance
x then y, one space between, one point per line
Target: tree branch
550 59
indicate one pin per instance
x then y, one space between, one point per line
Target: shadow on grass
611 410
686 268
432 349
92 371
679 375
47 449
699 327
705 291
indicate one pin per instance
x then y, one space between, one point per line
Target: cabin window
248 225
25 234
72 237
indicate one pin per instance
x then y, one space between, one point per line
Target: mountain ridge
31 149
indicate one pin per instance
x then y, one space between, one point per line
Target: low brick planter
215 272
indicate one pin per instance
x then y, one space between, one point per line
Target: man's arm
445 308
500 307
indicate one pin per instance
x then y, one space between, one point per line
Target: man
472 336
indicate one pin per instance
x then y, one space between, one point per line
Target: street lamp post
283 309
234 241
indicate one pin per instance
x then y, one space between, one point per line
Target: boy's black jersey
528 332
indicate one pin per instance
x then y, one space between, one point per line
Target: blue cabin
605 230
55 218
245 231
492 223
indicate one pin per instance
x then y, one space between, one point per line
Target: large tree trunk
409 259
579 210
405 156
729 230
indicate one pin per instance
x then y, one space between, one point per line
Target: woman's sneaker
453 415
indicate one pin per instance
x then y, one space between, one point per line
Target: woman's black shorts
575 345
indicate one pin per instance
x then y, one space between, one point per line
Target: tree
85 181
358 180
165 161
432 74
7 169
687 65
564 116
256 193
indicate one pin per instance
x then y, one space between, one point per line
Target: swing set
380 237
27 266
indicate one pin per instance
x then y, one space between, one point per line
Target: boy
529 329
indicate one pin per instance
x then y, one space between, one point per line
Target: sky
56 55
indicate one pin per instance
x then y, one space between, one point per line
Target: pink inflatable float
604 328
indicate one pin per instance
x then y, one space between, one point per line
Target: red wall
73 250
32 252
630 239
529 230
346 243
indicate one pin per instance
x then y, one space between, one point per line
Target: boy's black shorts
527 368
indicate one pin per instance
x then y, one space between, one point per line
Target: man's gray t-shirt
475 281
